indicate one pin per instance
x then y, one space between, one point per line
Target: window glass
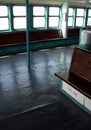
53 21
38 22
89 18
89 22
89 12
38 16
70 16
79 21
19 23
53 11
54 16
80 12
19 19
70 12
19 11
3 11
80 17
4 23
38 11
70 21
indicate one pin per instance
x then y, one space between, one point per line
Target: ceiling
80 3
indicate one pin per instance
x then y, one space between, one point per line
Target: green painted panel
87 47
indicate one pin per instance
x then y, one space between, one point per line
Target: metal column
27 32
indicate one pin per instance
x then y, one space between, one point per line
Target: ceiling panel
54 2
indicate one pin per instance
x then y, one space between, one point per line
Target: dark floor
23 89
63 115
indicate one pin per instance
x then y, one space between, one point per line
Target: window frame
71 16
18 16
39 16
54 16
6 17
88 18
80 17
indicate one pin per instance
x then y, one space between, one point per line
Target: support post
27 32
65 19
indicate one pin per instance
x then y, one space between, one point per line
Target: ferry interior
39 41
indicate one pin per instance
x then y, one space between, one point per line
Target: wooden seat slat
79 75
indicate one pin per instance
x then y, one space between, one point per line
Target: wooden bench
77 82
18 38
15 42
73 32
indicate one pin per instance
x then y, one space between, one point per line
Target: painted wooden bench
18 38
76 84
15 42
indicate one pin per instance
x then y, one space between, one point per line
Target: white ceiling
81 3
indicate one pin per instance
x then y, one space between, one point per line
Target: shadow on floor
63 115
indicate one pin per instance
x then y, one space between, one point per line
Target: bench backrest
81 64
73 32
14 38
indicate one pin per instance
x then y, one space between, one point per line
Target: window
19 20
38 16
80 17
70 17
4 22
54 16
89 18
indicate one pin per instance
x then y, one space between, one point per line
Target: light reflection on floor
22 89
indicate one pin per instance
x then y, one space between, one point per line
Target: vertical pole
27 32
